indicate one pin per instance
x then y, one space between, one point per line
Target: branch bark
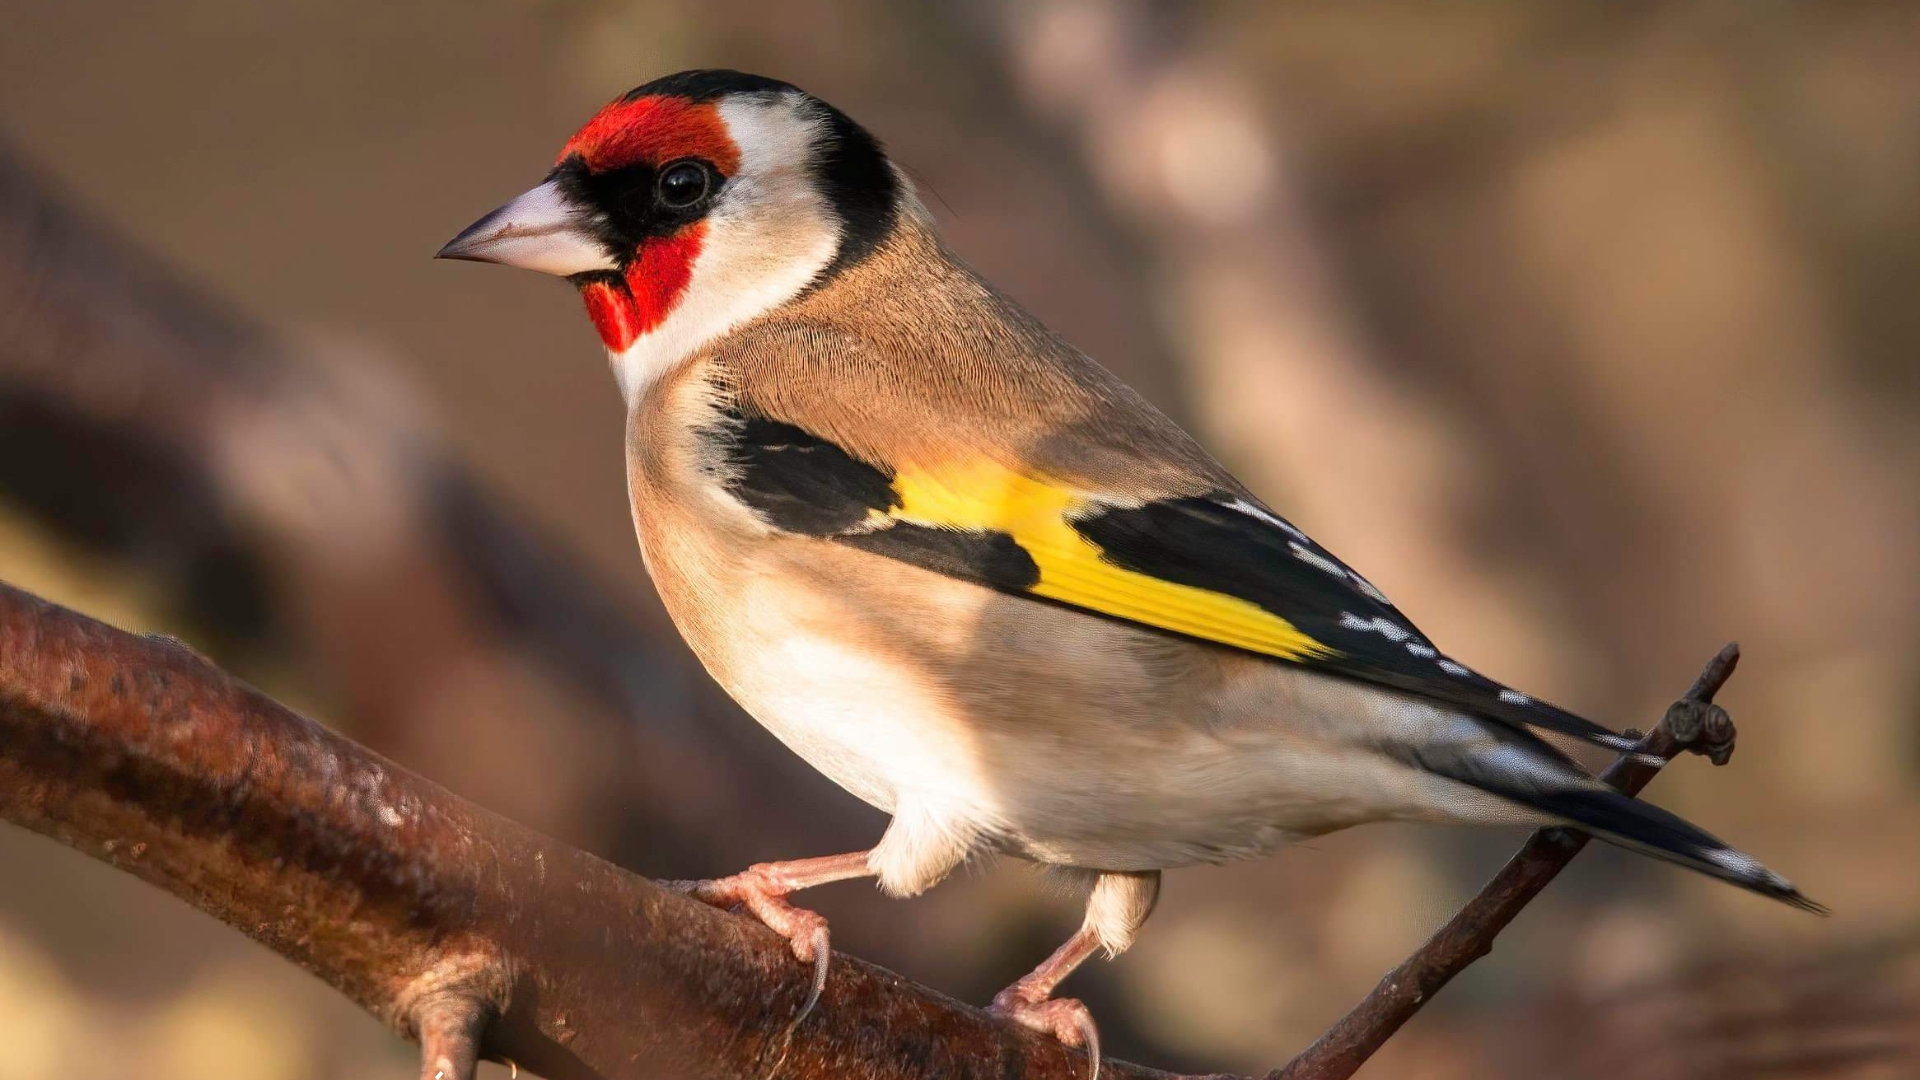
455 926
478 937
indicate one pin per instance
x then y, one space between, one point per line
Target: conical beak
541 230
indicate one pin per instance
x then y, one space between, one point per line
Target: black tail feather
1519 766
1646 828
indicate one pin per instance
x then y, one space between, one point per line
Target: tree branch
480 938
451 924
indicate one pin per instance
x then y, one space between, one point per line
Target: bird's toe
1066 1019
761 892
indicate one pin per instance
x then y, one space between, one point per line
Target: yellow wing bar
985 495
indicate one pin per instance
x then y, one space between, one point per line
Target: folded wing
1214 567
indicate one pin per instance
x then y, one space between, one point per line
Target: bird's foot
762 890
1065 1019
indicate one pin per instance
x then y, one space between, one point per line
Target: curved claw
1066 1019
763 897
820 944
1090 1035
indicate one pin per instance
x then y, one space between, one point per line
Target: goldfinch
968 574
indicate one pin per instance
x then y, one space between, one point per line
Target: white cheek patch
770 232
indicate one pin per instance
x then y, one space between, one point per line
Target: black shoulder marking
705 84
804 484
801 482
1216 543
985 558
861 187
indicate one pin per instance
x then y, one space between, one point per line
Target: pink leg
1030 1001
1116 909
762 889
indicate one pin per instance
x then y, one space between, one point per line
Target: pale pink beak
541 230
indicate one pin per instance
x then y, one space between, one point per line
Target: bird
972 577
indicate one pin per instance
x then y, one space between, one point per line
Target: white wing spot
1366 586
1458 671
1515 697
1275 520
1314 558
1423 651
1386 628
1739 865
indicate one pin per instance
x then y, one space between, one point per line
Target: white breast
872 725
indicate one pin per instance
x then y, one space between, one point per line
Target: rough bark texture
481 938
442 919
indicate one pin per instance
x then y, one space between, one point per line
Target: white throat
768 235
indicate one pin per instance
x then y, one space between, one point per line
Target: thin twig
1692 723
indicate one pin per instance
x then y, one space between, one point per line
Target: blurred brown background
1587 331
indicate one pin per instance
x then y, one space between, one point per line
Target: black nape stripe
860 185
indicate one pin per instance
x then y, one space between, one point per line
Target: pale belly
842 679
866 724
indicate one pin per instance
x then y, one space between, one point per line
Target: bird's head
694 203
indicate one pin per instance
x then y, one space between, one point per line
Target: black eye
682 184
